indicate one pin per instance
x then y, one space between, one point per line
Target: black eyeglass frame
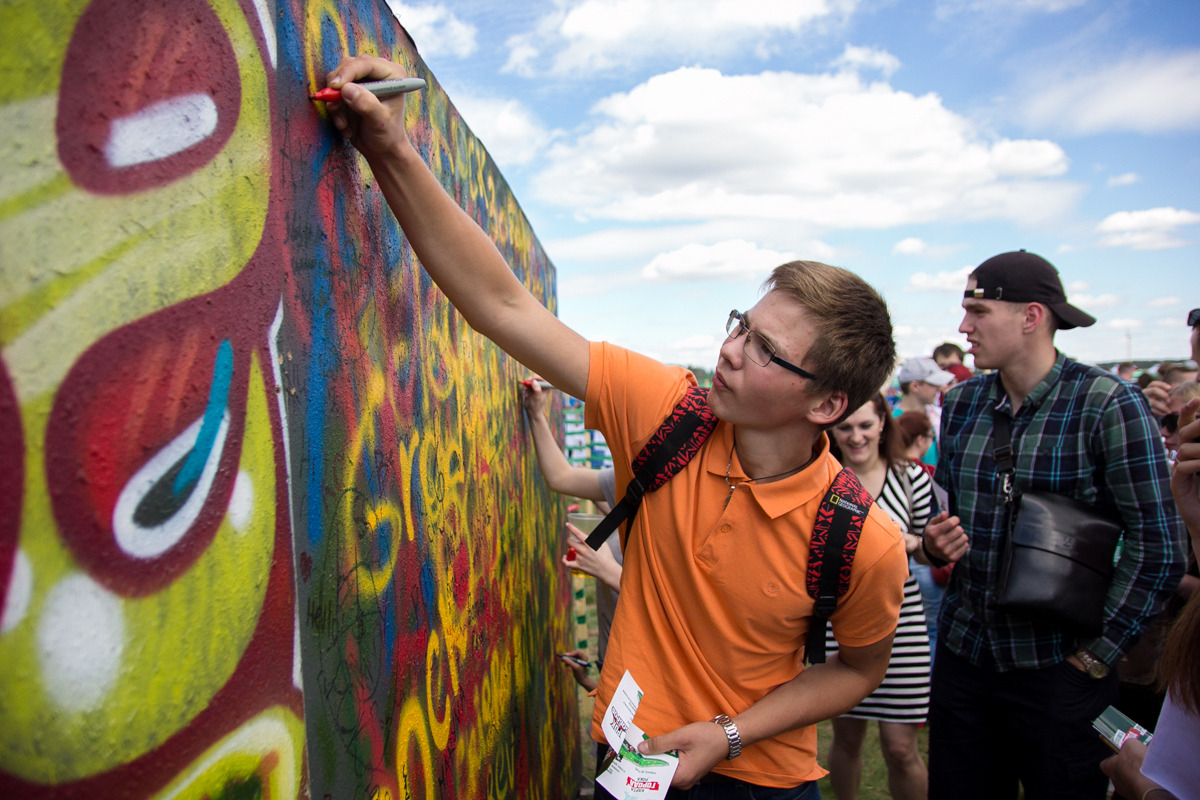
743 328
1170 422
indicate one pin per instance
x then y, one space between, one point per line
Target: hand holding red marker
380 89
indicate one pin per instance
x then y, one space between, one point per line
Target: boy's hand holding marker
378 88
376 127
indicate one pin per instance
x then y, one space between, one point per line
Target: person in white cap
921 380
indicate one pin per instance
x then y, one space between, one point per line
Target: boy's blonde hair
854 351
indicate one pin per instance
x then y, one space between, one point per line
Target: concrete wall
269 523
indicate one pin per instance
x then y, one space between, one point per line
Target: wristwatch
731 733
1094 667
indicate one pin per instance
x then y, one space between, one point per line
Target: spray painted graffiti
268 520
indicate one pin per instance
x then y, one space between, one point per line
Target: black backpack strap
669 450
831 553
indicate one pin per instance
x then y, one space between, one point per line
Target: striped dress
904 694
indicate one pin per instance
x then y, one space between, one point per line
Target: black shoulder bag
1057 562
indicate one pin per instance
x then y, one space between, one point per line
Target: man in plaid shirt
1013 699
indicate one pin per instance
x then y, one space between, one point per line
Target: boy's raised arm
457 254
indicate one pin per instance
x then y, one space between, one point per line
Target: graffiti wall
269 522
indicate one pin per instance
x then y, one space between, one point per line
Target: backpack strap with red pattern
831 553
669 450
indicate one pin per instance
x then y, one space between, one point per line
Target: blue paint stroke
218 396
323 363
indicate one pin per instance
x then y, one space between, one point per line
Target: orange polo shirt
713 613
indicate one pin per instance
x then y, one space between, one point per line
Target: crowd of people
713 605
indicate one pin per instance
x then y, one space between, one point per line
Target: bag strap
669 450
831 551
1003 453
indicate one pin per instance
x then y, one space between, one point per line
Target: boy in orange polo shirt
713 613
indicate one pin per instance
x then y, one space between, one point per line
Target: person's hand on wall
578 671
600 564
534 398
374 126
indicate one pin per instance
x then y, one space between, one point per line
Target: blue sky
669 153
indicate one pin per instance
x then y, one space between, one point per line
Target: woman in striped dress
868 443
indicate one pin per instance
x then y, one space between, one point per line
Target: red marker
544 384
570 554
377 88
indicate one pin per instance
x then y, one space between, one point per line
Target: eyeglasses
1194 317
1170 423
758 349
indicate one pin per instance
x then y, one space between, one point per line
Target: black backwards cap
1023 277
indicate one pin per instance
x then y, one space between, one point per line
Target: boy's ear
829 410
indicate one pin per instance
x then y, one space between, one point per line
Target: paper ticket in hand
632 775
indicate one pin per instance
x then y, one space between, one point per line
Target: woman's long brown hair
1179 666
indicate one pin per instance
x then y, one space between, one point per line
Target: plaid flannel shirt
1081 432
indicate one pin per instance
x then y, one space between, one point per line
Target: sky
670 153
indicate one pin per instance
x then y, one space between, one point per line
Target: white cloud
1150 229
1033 158
510 131
522 56
699 350
599 35
1078 287
1164 302
862 58
1151 93
1094 302
940 282
640 244
913 246
435 29
734 259
1122 324
1125 179
909 247
822 150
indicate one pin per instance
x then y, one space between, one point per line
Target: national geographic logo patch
841 502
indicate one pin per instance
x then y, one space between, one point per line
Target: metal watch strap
1093 666
731 733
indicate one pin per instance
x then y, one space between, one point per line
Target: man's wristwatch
731 733
1094 667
